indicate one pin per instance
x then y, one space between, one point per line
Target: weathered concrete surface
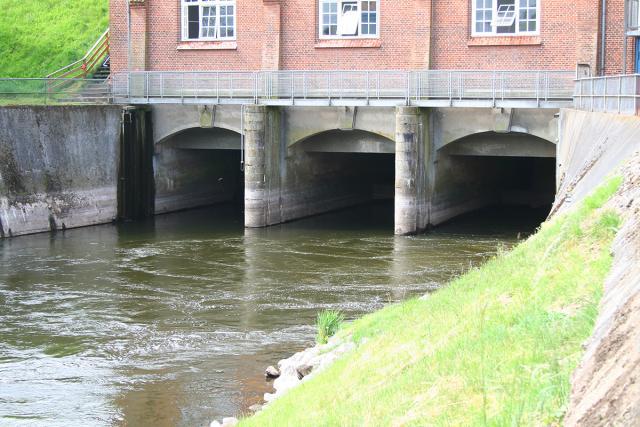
58 167
453 124
169 120
465 170
284 183
605 386
197 167
412 155
591 146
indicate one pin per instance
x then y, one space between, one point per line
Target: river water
172 321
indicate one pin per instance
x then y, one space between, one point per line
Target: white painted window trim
201 4
359 36
493 33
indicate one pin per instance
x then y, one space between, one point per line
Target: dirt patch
606 385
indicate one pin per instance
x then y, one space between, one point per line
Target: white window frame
359 11
201 5
494 17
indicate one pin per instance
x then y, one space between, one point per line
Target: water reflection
172 321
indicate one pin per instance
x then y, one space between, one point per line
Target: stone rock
272 372
304 370
255 408
215 423
229 422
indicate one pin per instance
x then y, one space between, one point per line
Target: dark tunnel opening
512 176
349 168
198 168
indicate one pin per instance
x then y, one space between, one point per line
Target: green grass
496 347
39 36
328 323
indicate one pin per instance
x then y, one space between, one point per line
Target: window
208 19
505 17
349 18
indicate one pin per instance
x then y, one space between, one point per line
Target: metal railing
54 91
608 94
88 63
423 88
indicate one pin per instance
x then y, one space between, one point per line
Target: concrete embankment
605 387
58 167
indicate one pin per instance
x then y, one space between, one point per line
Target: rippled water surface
172 321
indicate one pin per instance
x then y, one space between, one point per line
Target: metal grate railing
322 87
54 91
608 94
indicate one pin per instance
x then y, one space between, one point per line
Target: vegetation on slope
39 36
495 347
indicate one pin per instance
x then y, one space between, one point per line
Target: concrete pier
262 177
412 152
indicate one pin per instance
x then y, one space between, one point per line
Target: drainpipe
128 35
627 10
603 41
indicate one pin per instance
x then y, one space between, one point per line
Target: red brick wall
555 48
283 34
403 42
615 38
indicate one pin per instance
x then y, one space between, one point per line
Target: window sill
505 41
208 45
347 43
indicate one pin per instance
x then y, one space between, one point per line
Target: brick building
207 35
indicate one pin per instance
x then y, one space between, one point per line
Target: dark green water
172 321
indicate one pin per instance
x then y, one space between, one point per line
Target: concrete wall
605 388
591 146
58 167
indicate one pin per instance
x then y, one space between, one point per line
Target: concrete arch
197 138
303 123
347 141
494 144
454 124
169 120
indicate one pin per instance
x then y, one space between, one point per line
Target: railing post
408 95
218 88
304 85
196 87
161 85
450 88
546 86
493 89
230 85
146 85
367 88
293 88
538 89
378 85
329 85
182 87
604 106
592 95
619 93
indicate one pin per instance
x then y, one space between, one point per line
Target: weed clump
328 323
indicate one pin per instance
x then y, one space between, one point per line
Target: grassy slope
496 347
39 36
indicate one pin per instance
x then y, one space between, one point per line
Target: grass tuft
328 323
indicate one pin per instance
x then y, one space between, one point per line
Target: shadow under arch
340 168
502 170
346 141
198 167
